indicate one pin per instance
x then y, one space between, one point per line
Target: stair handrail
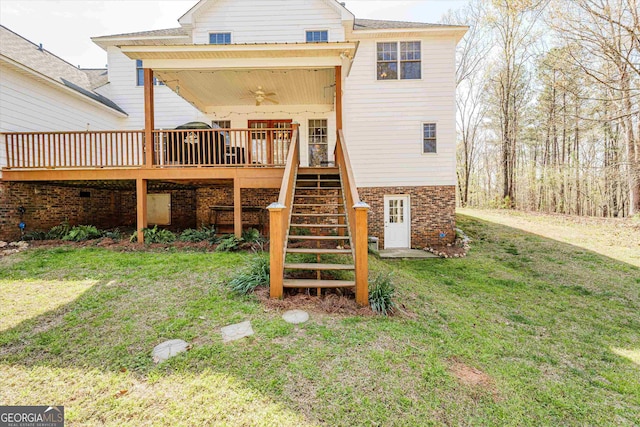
357 212
280 217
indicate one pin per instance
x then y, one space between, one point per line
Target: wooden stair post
276 249
361 246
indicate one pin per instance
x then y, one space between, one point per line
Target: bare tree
513 24
471 80
605 35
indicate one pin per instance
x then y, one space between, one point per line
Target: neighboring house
290 89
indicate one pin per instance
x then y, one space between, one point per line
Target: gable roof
187 18
18 50
377 24
97 76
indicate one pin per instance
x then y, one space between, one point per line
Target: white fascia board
242 48
458 32
60 86
105 42
241 63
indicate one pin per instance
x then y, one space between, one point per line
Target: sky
64 27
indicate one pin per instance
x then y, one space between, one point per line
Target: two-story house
299 105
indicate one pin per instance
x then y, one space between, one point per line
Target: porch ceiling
209 89
211 76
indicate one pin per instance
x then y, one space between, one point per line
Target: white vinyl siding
170 109
273 21
30 105
383 121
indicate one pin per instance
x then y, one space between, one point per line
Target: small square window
220 38
317 36
429 138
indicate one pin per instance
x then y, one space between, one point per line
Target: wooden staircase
318 230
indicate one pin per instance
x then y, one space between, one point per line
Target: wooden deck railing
171 148
280 217
82 149
221 147
356 221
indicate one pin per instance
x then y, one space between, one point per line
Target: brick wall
432 212
223 196
49 205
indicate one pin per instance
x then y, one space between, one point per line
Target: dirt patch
476 380
330 303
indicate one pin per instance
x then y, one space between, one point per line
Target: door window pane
318 142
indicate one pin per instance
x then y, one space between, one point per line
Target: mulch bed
329 303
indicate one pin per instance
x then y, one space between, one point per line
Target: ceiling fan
261 96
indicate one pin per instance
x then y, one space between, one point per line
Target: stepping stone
295 316
168 349
237 331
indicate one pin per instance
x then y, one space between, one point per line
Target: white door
397 222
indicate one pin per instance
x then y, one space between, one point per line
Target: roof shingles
30 55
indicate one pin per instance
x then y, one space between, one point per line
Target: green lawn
527 330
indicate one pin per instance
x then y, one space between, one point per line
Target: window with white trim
140 75
219 38
318 36
429 138
224 124
407 65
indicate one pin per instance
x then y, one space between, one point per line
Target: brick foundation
432 212
48 205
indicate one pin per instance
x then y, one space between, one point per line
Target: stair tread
330 170
299 205
317 251
312 283
318 215
319 225
318 188
319 237
318 195
316 180
318 266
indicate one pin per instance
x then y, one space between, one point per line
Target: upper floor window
429 138
399 60
140 75
220 38
318 36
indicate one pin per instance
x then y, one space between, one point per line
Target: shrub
114 234
59 231
381 292
35 235
154 235
81 233
229 243
252 236
300 231
200 235
254 275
